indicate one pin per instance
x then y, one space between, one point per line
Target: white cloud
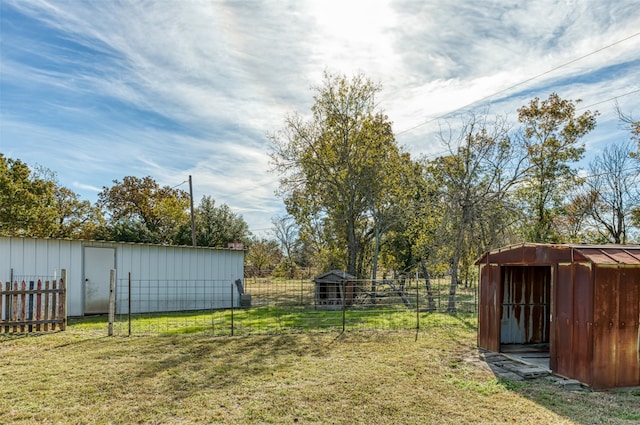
171 89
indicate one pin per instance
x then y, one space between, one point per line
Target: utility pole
193 220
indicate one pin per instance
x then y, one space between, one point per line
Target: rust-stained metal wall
615 327
570 349
592 303
489 308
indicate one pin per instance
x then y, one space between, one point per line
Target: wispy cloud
100 90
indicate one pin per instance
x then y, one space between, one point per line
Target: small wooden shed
334 289
582 302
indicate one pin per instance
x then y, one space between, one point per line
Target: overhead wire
521 83
608 100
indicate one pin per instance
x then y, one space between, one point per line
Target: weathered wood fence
33 305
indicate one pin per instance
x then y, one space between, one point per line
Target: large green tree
74 217
262 256
77 218
27 202
614 191
333 166
140 210
474 183
285 230
215 226
633 126
551 134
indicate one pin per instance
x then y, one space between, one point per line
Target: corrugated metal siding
572 342
582 327
628 363
179 278
605 325
595 308
489 308
615 362
573 304
33 257
163 266
561 346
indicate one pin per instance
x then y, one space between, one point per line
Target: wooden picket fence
33 306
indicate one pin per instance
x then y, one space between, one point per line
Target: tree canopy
357 201
551 135
337 167
28 202
33 203
142 210
215 226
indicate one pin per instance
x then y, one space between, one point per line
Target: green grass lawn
273 319
384 377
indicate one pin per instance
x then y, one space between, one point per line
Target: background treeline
356 201
360 203
132 210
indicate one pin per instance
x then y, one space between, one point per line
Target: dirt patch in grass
355 378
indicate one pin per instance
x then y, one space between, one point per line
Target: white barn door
98 263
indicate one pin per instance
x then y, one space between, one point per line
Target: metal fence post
112 300
232 324
129 307
417 309
344 307
63 300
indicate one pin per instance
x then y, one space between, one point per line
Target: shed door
525 305
98 263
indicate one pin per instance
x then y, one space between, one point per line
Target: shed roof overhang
545 254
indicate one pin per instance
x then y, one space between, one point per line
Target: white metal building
158 277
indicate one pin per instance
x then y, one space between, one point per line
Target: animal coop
334 289
159 278
579 302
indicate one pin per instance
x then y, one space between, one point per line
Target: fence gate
33 305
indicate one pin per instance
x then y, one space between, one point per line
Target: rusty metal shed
582 302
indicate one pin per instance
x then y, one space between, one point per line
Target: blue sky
99 90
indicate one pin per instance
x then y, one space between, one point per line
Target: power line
520 83
608 100
180 184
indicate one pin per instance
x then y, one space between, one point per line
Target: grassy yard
81 376
274 320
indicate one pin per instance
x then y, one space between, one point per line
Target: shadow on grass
15 336
183 369
581 406
207 364
613 406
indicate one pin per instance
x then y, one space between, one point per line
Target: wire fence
271 306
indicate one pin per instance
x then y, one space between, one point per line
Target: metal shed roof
536 253
618 254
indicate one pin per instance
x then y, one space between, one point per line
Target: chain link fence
272 306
